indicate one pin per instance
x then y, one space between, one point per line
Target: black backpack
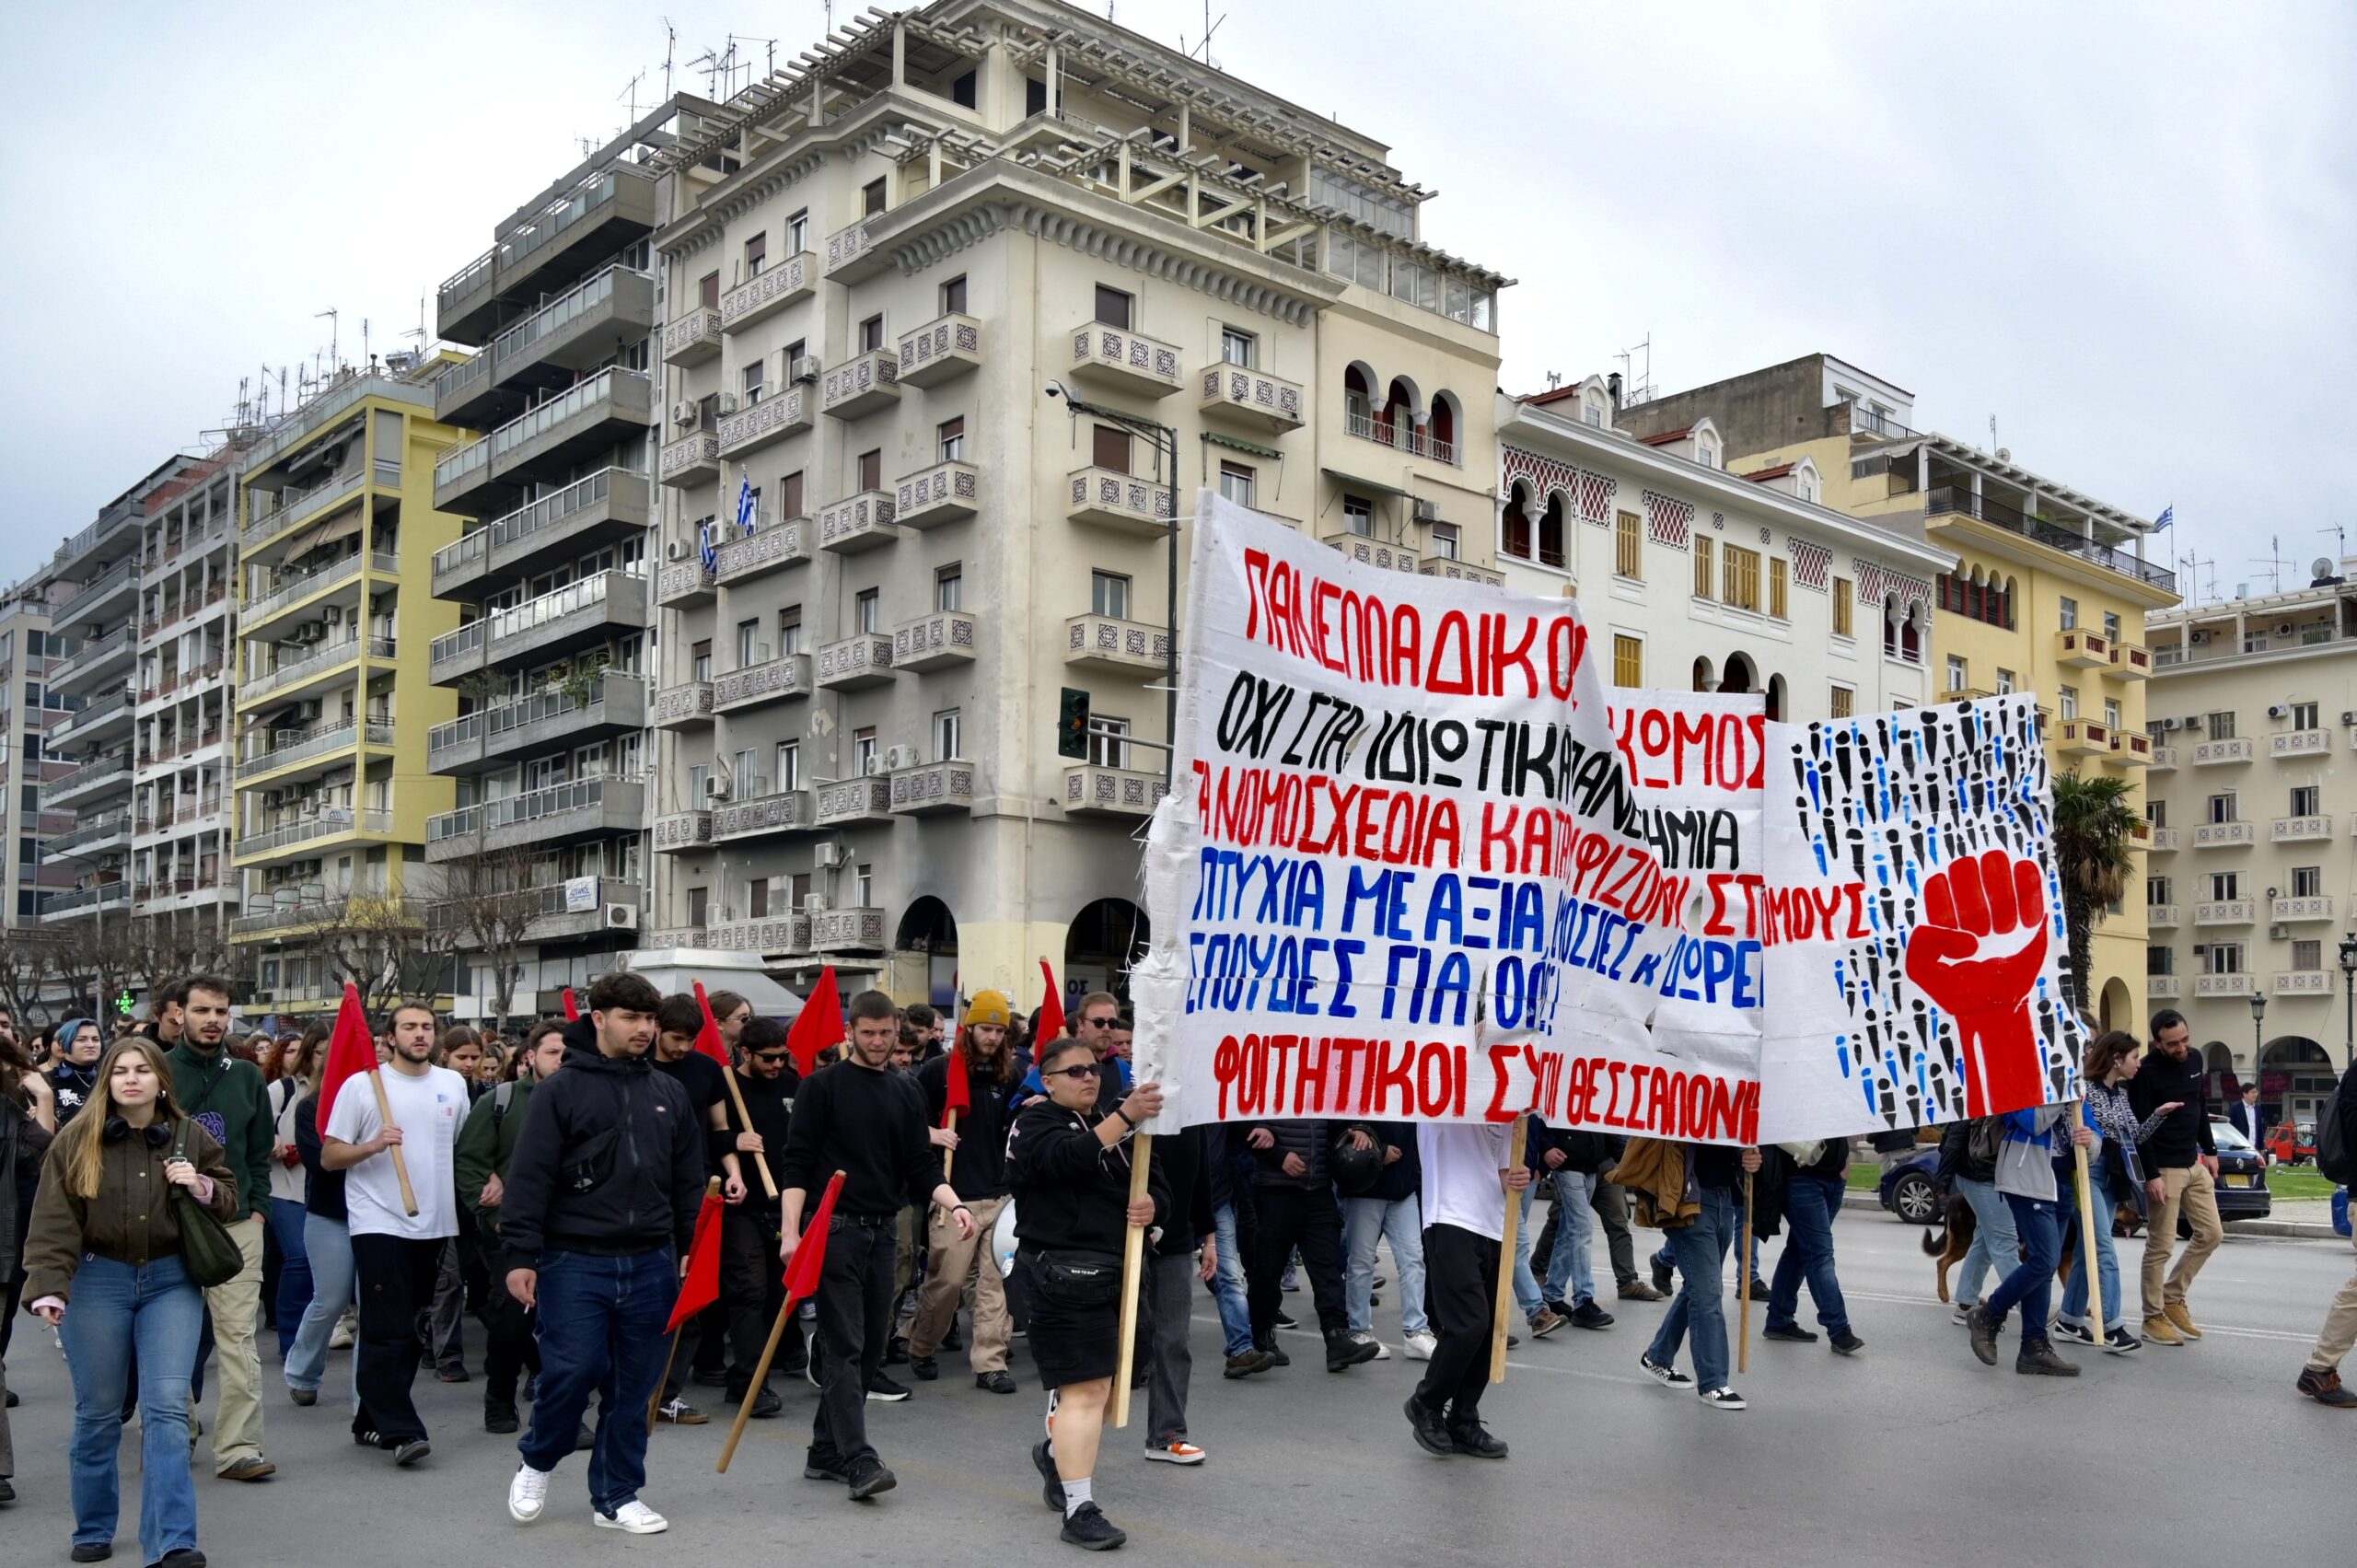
2334 1156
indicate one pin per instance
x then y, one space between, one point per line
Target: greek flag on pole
745 503
2168 514
704 548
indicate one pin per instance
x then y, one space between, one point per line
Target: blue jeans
327 1251
287 1221
1569 1276
601 1332
2075 1295
1701 1251
1228 1285
1994 1241
115 1309
2031 1284
1526 1283
1366 1221
1810 1203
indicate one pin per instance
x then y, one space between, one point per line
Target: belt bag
1080 1278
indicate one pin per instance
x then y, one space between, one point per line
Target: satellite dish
2320 567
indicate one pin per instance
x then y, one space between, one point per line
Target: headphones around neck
155 1132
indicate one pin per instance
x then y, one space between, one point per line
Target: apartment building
338 531
1699 577
97 621
545 850
2253 866
28 651
2049 593
958 316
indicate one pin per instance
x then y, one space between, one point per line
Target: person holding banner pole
2025 1174
597 1218
1714 1173
1469 1171
976 1169
1071 1167
751 1289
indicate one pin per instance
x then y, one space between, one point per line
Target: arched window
1975 596
1702 675
1550 531
1358 401
1911 637
1444 428
1775 699
1397 422
1737 676
2012 602
1517 523
1890 623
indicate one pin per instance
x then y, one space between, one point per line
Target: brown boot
2182 1320
2160 1331
2324 1388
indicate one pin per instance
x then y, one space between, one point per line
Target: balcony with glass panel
467 394
306 664
559 813
97 661
287 756
100 718
576 330
338 582
591 611
300 831
581 422
610 704
274 513
610 506
89 782
595 218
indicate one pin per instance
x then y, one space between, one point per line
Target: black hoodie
610 1160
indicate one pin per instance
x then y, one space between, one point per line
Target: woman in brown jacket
102 1265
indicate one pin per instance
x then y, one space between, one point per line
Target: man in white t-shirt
396 1255
1465 1180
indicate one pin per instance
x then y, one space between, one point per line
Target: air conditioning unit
2278 933
727 403
873 766
622 917
684 415
815 903
2282 628
828 857
2349 716
674 549
2278 711
715 789
2169 723
1427 511
2201 950
899 757
2193 721
2199 635
311 632
803 367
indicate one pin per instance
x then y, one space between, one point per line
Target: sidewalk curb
2299 1230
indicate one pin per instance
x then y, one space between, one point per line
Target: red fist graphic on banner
1978 954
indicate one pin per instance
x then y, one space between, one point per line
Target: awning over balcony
344 525
1356 482
1254 449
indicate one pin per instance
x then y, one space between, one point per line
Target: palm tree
2093 825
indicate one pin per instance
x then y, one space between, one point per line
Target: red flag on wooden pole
802 1273
959 1095
351 1051
708 1039
818 1025
701 1287
1051 1009
572 1008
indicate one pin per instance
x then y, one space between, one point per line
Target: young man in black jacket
753 1290
2181 1162
2320 1379
860 1117
1292 1193
599 1210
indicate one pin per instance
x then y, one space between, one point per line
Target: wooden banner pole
2087 1217
1133 1261
761 1381
1742 1314
949 1156
769 1182
1503 1311
401 1165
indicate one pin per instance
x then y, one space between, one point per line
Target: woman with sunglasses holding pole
1068 1162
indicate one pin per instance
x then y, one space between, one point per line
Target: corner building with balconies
2253 803
2049 592
338 531
878 264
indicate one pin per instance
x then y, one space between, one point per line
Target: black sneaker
92 1551
1046 1465
1845 1343
825 1464
1430 1433
1723 1399
411 1451
868 1477
926 1367
2120 1341
1667 1377
897 1352
1277 1357
1087 1528
1662 1276
1342 1352
765 1403
1476 1440
953 1339
2324 1387
1000 1382
369 1437
500 1420
1285 1321
2076 1333
1588 1314
1791 1333
882 1390
303 1395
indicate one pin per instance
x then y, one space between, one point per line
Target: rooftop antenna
1554 379
1992 433
1203 43
630 91
333 321
2340 543
1639 384
670 44
2274 567
366 358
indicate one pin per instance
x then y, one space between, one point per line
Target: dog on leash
1946 1243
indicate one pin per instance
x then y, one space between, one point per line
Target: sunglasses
772 1057
1099 1023
1075 1074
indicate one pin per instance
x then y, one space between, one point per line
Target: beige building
2253 861
879 266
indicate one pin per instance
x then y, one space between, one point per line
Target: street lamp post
1165 441
2349 984
2257 1033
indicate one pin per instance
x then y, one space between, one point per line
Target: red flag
700 1288
818 1025
351 1051
1051 1010
572 1008
960 1097
708 1039
802 1273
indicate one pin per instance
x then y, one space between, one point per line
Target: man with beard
2181 1161
752 1289
979 1174
226 1097
599 1214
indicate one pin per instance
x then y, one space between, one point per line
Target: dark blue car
1911 1186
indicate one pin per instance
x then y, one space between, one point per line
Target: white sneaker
527 1494
1382 1351
1419 1347
1723 1399
634 1516
341 1338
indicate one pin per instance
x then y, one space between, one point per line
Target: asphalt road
1912 1453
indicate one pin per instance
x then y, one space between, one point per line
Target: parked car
1911 1187
2293 1145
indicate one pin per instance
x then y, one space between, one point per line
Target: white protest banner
1417 865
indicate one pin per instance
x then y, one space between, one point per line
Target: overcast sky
2125 231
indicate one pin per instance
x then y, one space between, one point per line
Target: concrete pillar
899 52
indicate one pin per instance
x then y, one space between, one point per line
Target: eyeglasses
1099 1023
1087 1070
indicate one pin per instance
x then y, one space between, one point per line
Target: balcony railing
2223 911
1118 358
531 805
2225 835
2292 830
2222 985
592 193
573 598
2160 917
90 656
89 773
325 657
559 313
1956 501
291 589
491 724
2161 987
544 417
326 822
771 289
78 898
284 747
2290 743
548 512
2301 908
95 591
2303 982
469 461
295 505
2235 749
1399 436
112 825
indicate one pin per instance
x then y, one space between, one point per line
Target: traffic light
1071 725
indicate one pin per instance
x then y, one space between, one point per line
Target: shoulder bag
209 1253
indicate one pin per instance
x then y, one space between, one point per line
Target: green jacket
486 1140
227 1098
